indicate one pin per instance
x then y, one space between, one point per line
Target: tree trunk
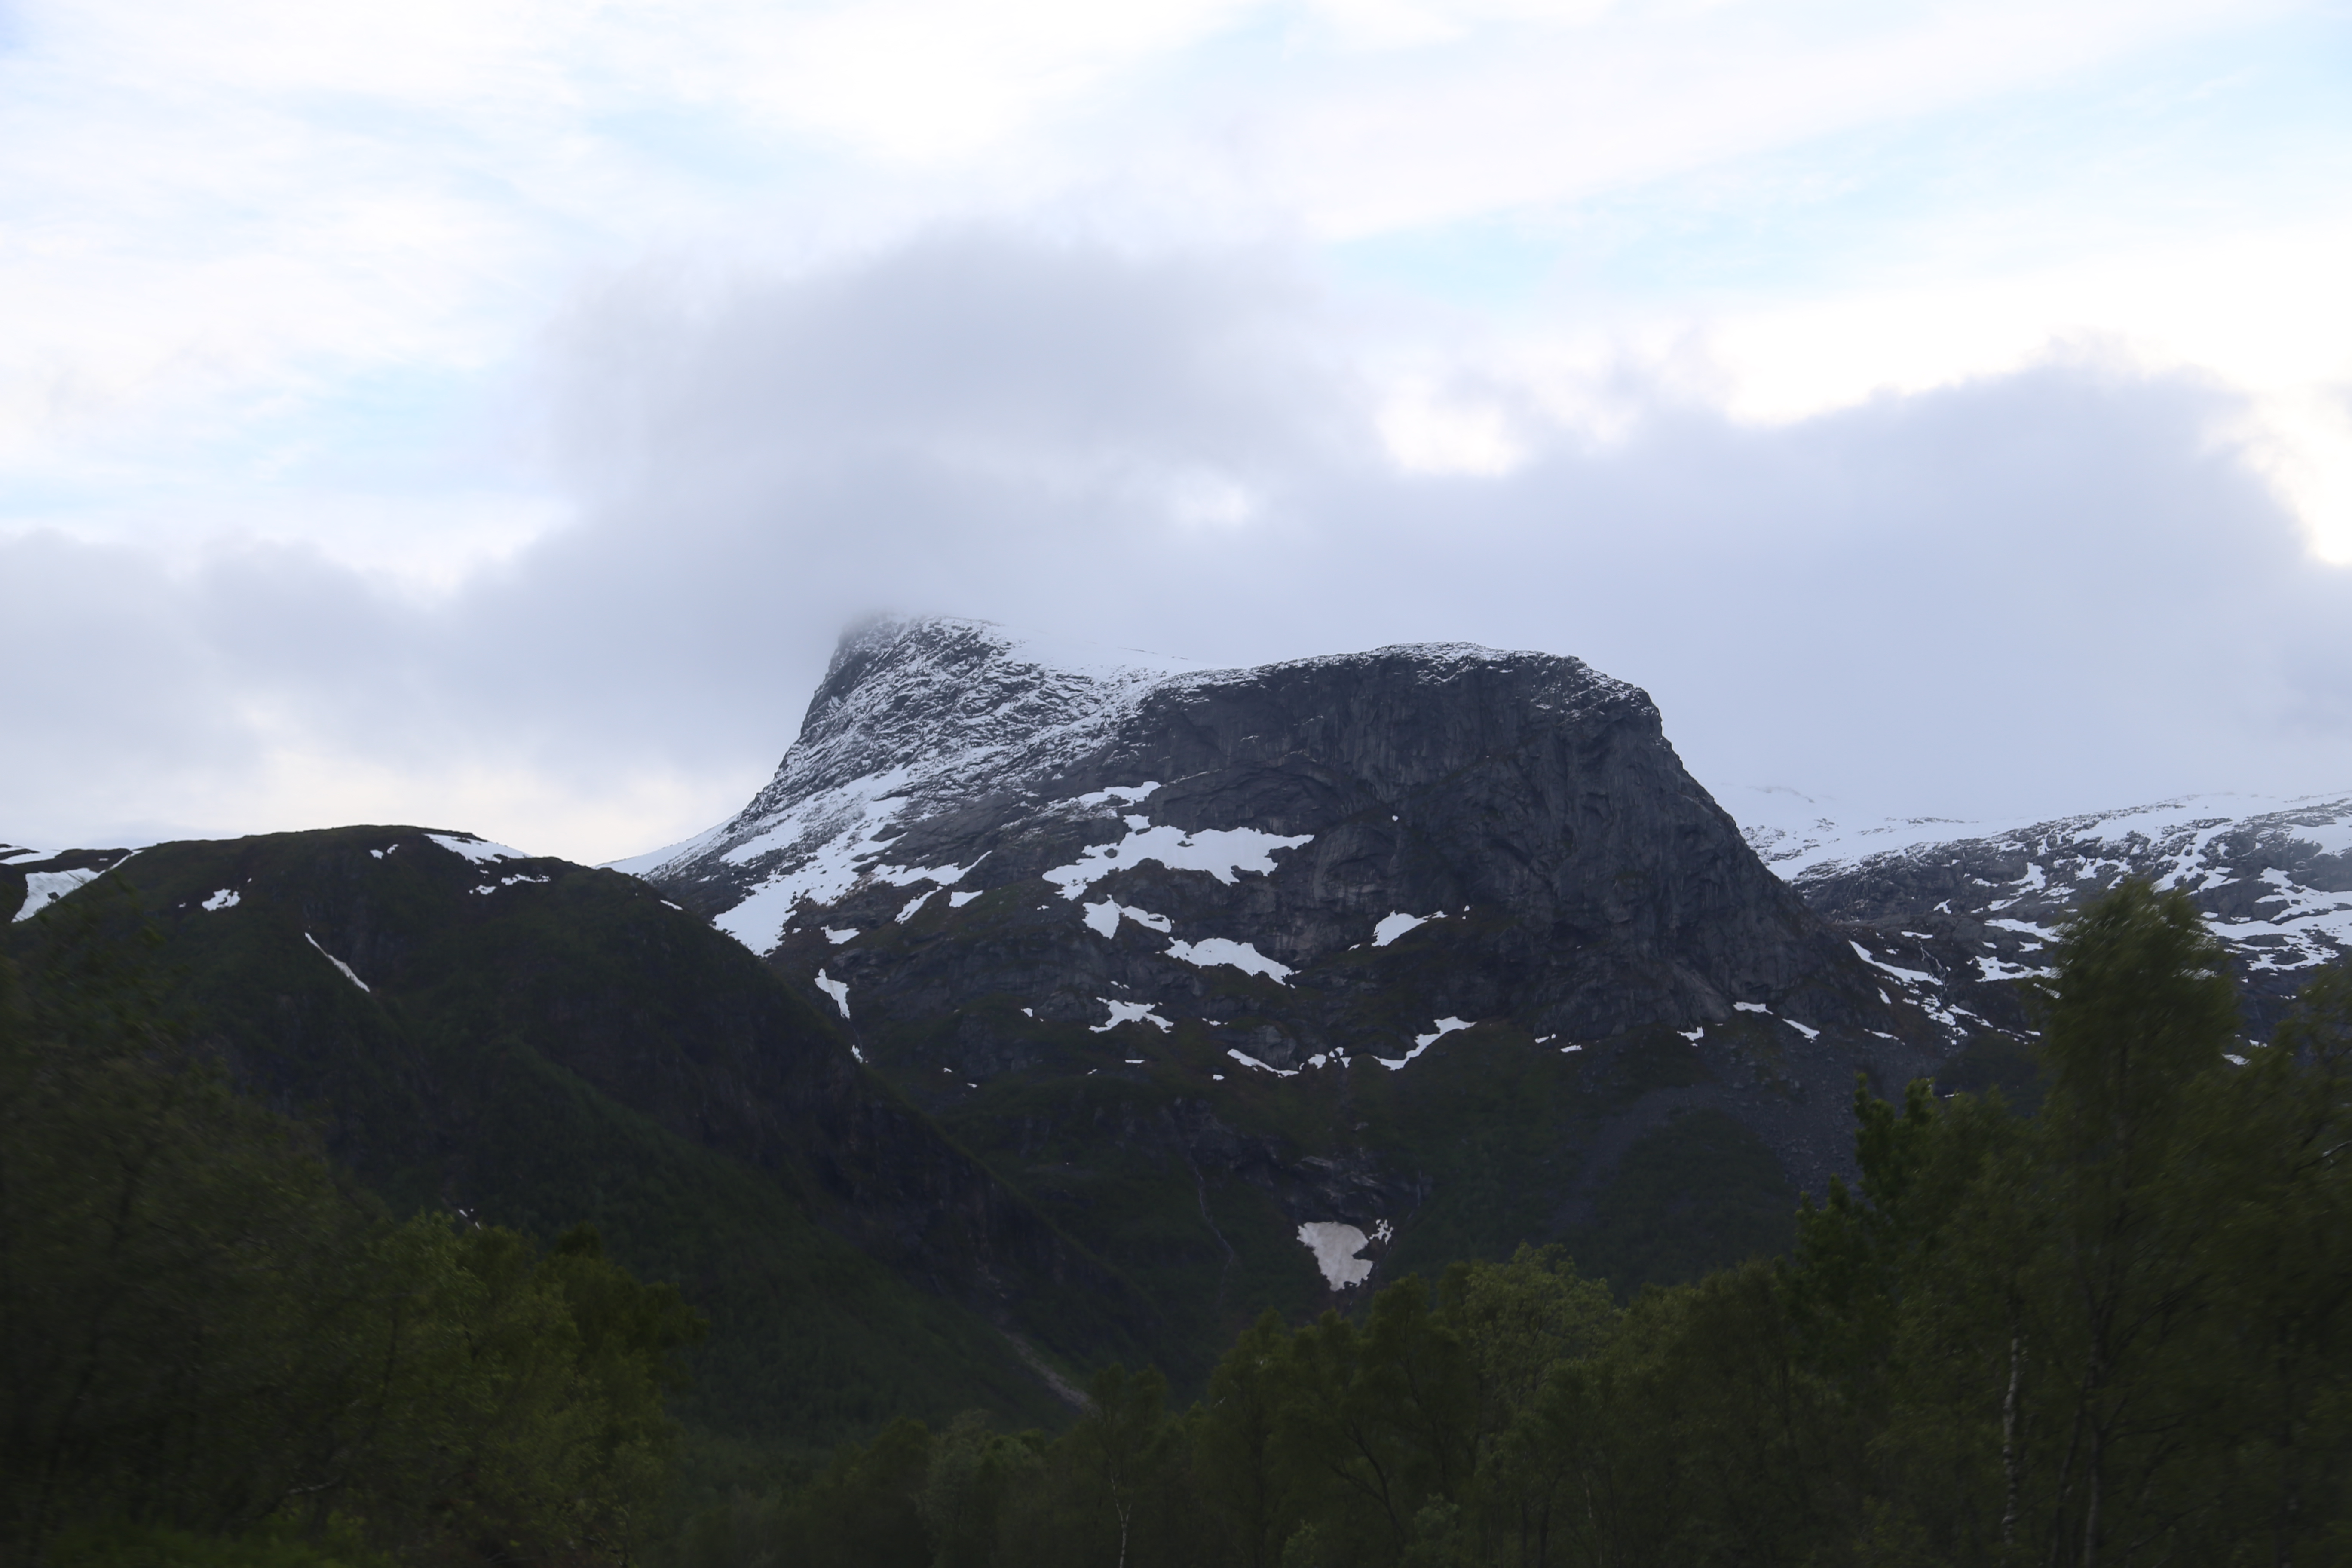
2012 1461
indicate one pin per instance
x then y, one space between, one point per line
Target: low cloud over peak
2058 587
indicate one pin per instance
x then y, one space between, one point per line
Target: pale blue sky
424 310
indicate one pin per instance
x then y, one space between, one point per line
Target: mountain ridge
1432 944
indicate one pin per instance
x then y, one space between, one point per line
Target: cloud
2061 587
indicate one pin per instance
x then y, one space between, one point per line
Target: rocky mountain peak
904 693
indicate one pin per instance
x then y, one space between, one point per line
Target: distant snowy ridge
1799 837
2272 875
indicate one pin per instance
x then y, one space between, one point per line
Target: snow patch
1128 1013
1421 1043
1126 793
907 875
833 838
837 989
914 904
1909 977
1248 1060
1335 1246
43 888
224 900
1223 852
1103 917
1394 926
481 851
958 901
838 937
1240 955
1805 1029
338 963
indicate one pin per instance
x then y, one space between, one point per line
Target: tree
2283 1267
1237 1458
1517 1322
1120 1439
2136 1021
1380 1421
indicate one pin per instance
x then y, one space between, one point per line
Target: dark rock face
1527 808
1303 910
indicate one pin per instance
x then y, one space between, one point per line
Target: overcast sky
487 413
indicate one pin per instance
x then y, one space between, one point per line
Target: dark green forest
2115 1327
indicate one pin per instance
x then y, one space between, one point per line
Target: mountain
1055 1005
1269 983
1970 906
535 1042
